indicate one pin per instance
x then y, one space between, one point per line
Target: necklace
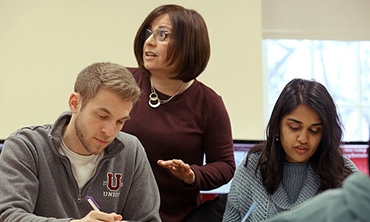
155 101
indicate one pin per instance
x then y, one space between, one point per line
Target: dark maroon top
192 125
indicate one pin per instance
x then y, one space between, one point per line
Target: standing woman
178 119
301 156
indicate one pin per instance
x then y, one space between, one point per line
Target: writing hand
180 169
100 216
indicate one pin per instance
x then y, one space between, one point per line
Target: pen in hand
249 211
96 207
92 203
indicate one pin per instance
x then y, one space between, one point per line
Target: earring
277 137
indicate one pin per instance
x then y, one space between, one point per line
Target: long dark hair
328 160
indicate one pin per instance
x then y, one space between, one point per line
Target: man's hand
179 169
94 215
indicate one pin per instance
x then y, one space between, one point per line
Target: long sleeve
194 127
37 183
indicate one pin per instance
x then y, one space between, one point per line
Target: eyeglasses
159 35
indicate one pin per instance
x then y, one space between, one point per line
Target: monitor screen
241 148
356 151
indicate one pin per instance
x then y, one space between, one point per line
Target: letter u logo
114 185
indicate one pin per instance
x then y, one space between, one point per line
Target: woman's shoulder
207 90
246 172
135 71
139 75
350 164
253 157
206 98
250 161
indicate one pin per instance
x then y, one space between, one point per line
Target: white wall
316 19
45 43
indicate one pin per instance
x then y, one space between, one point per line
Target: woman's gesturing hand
179 169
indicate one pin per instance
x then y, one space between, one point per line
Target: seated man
48 171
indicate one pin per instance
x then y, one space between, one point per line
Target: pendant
154 101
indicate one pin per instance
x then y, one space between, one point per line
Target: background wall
44 44
316 19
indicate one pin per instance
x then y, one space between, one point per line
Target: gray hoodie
37 184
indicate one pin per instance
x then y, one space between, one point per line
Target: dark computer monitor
241 148
357 152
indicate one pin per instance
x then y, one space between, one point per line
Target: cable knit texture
247 188
293 178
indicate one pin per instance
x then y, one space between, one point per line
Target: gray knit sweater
349 203
247 188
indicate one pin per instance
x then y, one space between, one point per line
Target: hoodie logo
114 182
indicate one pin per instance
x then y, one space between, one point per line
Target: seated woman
301 156
350 203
